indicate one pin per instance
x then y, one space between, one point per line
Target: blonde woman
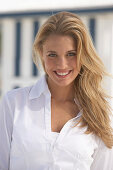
63 121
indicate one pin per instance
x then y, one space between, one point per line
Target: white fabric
27 142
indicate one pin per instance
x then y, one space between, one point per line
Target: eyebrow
51 51
72 51
67 51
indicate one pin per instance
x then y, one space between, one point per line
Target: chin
63 83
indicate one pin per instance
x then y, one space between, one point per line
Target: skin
59 56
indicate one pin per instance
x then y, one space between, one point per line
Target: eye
52 55
71 54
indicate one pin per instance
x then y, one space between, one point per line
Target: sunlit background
19 23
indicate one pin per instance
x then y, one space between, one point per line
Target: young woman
63 121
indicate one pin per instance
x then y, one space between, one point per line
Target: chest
61 113
34 147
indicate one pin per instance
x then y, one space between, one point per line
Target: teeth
62 74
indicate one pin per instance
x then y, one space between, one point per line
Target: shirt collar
39 88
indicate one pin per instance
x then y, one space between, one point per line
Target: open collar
40 87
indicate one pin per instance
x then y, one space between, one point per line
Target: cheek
73 62
74 66
49 64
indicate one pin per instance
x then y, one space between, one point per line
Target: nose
61 62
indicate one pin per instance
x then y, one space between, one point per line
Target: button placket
47 111
63 131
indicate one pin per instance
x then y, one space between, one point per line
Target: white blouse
27 142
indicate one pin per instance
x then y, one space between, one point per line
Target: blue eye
52 55
71 54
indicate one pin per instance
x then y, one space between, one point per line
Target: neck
61 93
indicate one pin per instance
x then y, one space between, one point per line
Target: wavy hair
88 89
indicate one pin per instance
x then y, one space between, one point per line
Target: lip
63 71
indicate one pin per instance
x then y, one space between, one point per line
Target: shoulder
20 93
24 91
15 97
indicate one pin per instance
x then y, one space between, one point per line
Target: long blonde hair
88 90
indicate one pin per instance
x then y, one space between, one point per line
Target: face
60 59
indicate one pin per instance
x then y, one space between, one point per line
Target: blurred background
19 23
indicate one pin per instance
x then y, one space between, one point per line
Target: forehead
56 42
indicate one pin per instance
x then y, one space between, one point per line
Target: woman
63 121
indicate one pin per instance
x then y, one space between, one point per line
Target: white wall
14 5
104 46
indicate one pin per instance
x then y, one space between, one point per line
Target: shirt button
49 147
78 156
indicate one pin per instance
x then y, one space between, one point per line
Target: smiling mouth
62 74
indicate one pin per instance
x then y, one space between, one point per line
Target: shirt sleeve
6 126
103 158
